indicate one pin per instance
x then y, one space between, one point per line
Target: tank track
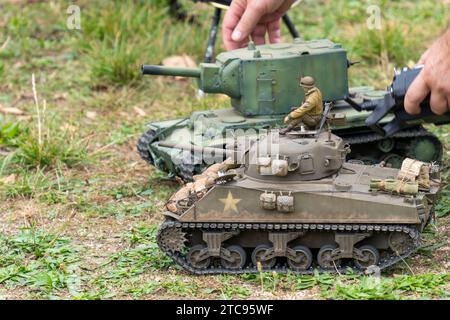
406 133
143 145
384 263
186 171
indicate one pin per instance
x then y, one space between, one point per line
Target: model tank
292 203
262 82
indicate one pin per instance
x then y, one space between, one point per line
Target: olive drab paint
264 80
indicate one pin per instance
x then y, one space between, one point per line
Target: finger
438 102
244 43
259 34
230 21
285 6
241 44
278 13
417 92
248 21
274 29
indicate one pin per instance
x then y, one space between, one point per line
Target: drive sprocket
172 239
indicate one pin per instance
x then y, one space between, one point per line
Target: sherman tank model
293 203
262 82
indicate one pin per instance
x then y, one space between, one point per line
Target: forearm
297 113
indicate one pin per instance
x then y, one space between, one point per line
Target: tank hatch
298 156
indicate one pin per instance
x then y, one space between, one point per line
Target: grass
80 209
9 132
56 147
2 69
45 263
141 255
113 38
427 286
45 142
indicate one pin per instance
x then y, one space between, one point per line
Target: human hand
434 78
286 120
253 18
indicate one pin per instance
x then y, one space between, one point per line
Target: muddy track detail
389 258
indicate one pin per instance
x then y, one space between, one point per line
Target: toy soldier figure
310 112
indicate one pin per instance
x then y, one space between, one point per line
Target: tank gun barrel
198 149
149 69
212 78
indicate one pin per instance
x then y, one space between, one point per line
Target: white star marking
230 203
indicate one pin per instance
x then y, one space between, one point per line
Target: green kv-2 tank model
292 202
263 84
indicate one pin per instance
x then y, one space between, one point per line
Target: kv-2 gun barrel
166 71
212 78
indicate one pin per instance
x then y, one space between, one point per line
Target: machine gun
328 107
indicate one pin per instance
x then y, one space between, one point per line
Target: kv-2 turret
264 80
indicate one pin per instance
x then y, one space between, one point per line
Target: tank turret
264 80
301 156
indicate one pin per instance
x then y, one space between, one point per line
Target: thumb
252 15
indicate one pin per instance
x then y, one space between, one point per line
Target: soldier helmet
307 82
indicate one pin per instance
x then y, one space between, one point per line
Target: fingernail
236 35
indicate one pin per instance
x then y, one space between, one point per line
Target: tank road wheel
325 259
386 145
370 256
425 149
303 258
393 160
258 255
195 258
236 260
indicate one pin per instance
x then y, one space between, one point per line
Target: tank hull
342 199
